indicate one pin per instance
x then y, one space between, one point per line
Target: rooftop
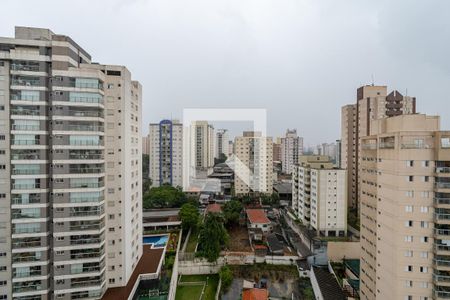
257 216
329 287
255 294
148 264
214 208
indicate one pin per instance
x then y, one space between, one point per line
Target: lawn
192 243
194 291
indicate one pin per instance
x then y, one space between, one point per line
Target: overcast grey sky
300 59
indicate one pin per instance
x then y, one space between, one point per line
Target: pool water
156 240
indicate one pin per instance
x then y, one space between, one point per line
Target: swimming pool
156 240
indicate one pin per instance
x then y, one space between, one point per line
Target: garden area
193 287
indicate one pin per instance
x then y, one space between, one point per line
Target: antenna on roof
373 80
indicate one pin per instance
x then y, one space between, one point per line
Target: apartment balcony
27 171
90 268
26 81
31 199
88 226
387 145
442 278
87 213
444 233
21 127
94 199
27 243
26 66
34 271
87 283
26 142
441 292
416 146
442 217
81 113
87 185
86 253
439 201
23 186
442 249
442 185
86 170
442 264
443 170
26 287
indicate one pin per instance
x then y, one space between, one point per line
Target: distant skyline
300 59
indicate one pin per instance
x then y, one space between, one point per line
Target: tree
272 200
232 211
213 236
189 216
221 159
165 196
226 275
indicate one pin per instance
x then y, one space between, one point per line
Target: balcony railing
71 127
438 231
438 200
87 185
26 127
441 216
82 113
86 156
441 262
25 142
25 112
86 227
20 67
87 199
85 170
442 248
387 145
27 274
19 186
86 255
442 185
442 294
441 278
30 200
87 283
86 213
443 170
21 259
86 241
30 244
89 269
415 146
26 171
26 82
86 143
27 288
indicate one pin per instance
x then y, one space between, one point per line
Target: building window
410 163
409 208
408 268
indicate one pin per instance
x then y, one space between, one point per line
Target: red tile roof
257 216
214 208
255 294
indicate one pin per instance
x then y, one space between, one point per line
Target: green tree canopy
213 236
226 275
232 211
165 196
189 216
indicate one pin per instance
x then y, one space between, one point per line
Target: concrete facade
372 102
166 153
405 192
58 149
319 195
254 173
291 148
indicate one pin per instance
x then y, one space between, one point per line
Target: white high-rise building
291 148
254 171
70 168
202 148
319 195
166 153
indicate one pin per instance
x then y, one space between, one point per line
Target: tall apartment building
276 151
230 148
254 172
405 209
166 153
319 195
202 146
338 154
145 145
221 143
60 143
291 148
372 102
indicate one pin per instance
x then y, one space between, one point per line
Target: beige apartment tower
372 102
405 209
253 164
70 163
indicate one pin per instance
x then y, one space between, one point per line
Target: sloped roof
257 216
214 208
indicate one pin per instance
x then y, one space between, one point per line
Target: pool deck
148 264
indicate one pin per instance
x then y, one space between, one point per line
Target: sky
299 59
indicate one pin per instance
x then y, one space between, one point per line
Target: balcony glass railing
438 200
25 171
85 227
442 185
86 241
442 248
26 127
71 127
442 262
87 255
25 142
85 170
87 283
83 113
438 231
441 278
25 67
27 288
442 294
85 156
88 269
441 216
23 200
24 186
29 273
86 143
26 82
86 199
25 112
443 170
98 212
